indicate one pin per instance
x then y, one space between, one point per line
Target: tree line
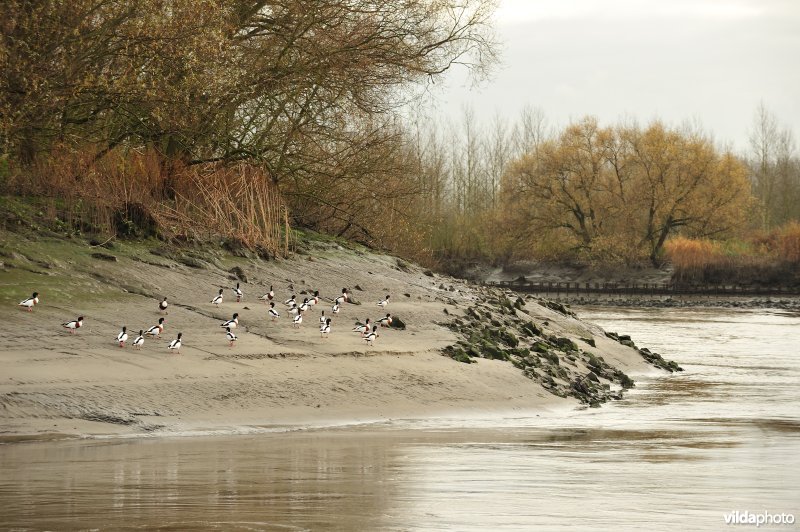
307 91
299 110
594 193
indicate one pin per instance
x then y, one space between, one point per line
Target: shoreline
784 303
56 383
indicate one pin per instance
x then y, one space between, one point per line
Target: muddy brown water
678 454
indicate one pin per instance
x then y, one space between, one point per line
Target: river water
679 453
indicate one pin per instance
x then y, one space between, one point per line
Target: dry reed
139 193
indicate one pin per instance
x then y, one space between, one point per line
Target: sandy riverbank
55 384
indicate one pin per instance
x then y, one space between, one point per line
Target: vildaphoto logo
764 518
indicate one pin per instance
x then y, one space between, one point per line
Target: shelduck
291 301
342 298
238 292
73 325
362 328
272 312
122 337
139 342
175 345
370 338
384 302
162 307
298 320
233 322
304 305
314 299
322 318
335 308
325 329
230 336
385 321
218 299
269 296
156 330
29 303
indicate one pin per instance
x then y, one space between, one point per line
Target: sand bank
55 384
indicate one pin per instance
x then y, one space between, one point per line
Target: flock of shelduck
367 330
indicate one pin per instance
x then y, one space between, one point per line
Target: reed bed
139 193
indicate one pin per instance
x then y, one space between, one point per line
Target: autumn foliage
759 258
619 193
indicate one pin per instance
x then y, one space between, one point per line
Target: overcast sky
710 61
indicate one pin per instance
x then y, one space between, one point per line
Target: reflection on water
679 453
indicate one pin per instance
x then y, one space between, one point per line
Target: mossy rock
624 380
458 354
551 357
521 351
589 341
492 351
533 361
540 347
565 344
531 329
674 366
508 338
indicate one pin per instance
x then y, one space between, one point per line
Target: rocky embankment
787 303
496 327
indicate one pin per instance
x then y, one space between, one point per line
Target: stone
238 273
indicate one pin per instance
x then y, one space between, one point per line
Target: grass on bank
762 258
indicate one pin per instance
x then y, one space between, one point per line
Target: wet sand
59 385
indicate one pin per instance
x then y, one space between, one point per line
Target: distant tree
623 191
774 169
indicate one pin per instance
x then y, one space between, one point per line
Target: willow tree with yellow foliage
618 193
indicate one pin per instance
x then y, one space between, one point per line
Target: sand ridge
275 375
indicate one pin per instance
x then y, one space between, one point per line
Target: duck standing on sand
156 330
325 329
385 321
122 337
294 310
217 300
335 308
230 336
238 292
233 322
370 338
304 305
314 299
175 345
162 307
298 320
322 319
362 328
139 342
291 301
384 302
342 298
73 325
269 296
30 302
272 312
